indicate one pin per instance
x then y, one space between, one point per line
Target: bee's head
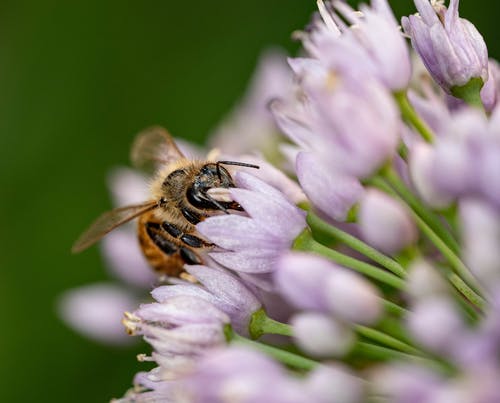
213 175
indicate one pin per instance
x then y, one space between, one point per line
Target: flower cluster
371 268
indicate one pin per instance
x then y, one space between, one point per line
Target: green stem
384 338
286 357
393 308
374 352
261 324
469 294
430 218
455 262
305 242
318 225
410 115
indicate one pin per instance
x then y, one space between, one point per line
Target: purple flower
179 329
320 335
239 374
220 288
334 383
372 46
385 223
250 126
421 167
352 127
491 88
481 237
435 323
332 193
451 48
424 281
96 310
313 283
253 243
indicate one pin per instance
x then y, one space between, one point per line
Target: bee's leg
190 257
188 239
159 240
195 242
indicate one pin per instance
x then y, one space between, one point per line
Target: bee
180 199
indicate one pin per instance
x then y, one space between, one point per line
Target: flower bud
321 336
451 48
385 223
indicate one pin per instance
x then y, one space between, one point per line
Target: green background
77 81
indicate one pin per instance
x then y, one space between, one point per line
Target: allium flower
481 237
313 283
322 336
222 289
254 243
463 162
385 223
180 329
400 302
371 46
95 311
451 48
350 125
250 126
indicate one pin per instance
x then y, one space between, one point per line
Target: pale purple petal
124 257
127 187
332 193
435 322
451 48
421 164
96 312
182 309
320 335
300 278
385 223
334 383
352 298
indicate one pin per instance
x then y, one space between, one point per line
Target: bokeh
77 81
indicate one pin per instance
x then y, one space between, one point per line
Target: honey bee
180 199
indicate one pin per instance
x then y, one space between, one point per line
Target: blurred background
77 81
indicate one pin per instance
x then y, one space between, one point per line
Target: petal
332 193
96 312
321 336
122 252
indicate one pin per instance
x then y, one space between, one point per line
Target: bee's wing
152 147
109 221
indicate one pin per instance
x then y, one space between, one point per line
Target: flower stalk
410 115
286 357
261 324
305 242
323 229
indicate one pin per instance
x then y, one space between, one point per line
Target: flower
451 48
313 283
331 192
253 243
221 289
320 335
250 126
351 126
180 329
95 311
385 223
371 46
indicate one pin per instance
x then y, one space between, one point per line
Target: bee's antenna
241 164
